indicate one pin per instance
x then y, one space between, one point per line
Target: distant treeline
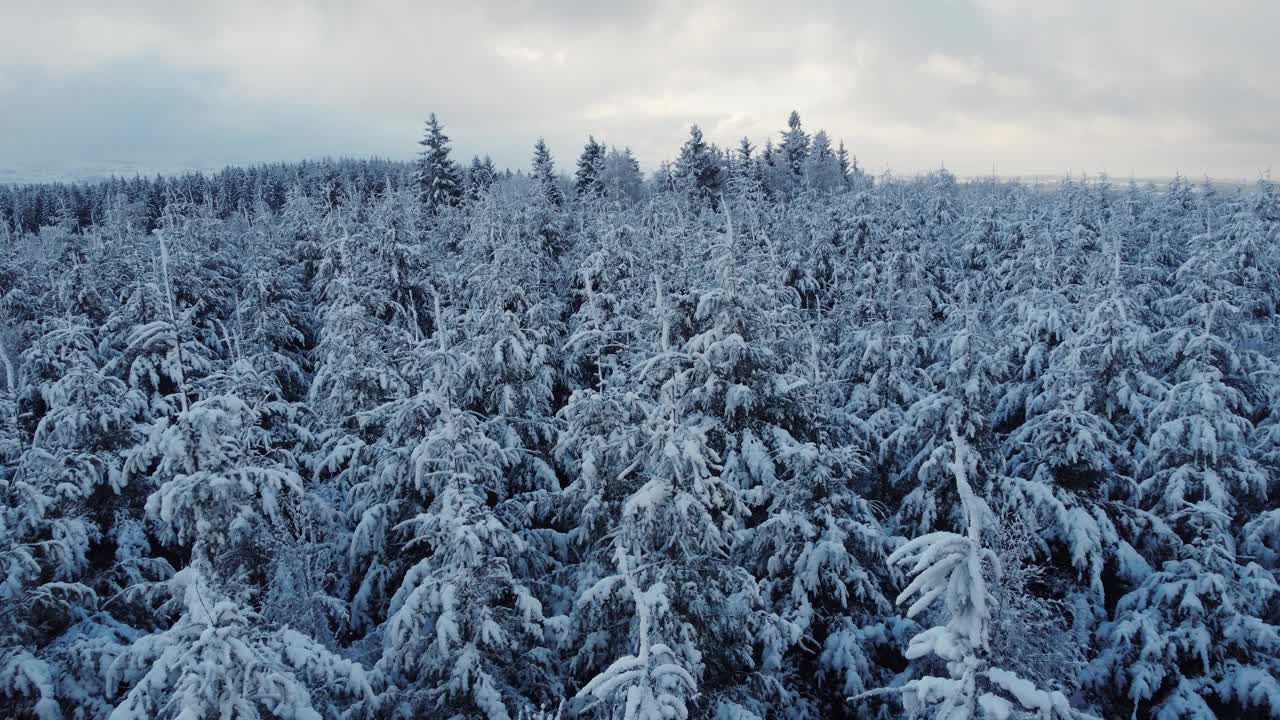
27 208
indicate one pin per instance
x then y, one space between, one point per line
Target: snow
760 436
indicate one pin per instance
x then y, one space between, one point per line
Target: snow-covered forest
754 436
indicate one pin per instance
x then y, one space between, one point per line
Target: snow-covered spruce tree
677 521
1260 535
1199 461
76 288
586 180
80 416
544 174
511 329
438 179
1067 470
438 469
800 464
602 329
1115 355
1068 465
921 448
1195 639
883 369
47 528
1038 321
167 334
612 329
1178 646
697 169
356 359
1198 450
464 635
271 328
744 172
301 221
218 481
455 459
220 660
955 569
822 171
703 444
599 450
480 177
620 178
1168 222
364 394
794 149
671 525
651 684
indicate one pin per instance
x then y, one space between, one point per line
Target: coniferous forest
754 436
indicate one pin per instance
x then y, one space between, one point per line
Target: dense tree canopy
755 437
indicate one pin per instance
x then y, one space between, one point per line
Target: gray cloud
1029 86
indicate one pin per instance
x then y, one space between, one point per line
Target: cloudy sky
1022 86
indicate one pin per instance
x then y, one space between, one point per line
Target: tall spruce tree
544 174
438 178
698 167
587 181
795 144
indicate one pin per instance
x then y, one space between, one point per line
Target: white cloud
960 71
522 55
518 54
1095 83
1009 85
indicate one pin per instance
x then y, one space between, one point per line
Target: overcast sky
1024 86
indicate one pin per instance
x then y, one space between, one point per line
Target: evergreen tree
480 177
290 441
587 180
620 177
544 175
438 179
847 168
698 169
956 568
794 149
822 169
